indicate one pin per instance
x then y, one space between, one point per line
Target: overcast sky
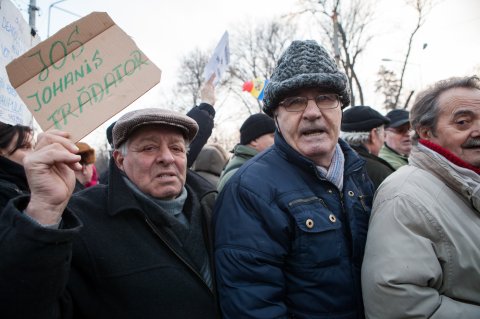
166 30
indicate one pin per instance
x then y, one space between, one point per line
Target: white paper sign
219 61
15 39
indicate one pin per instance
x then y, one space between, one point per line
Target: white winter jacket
422 257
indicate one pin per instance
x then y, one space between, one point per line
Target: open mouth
472 147
166 175
313 132
472 144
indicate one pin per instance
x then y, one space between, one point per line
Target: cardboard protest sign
15 39
219 61
82 76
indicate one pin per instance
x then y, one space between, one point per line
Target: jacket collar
391 150
244 150
462 180
363 152
121 198
449 155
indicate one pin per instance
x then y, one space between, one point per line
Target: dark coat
377 168
13 181
288 243
118 264
203 114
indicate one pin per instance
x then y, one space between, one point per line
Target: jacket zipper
362 201
162 238
306 200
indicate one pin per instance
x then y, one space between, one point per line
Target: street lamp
408 63
50 9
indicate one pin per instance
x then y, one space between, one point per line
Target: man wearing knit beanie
256 134
290 226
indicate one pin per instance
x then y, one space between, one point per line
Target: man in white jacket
422 256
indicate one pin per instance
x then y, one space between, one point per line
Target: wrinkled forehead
157 131
457 99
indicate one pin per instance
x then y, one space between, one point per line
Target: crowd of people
323 210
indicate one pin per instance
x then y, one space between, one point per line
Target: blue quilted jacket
288 244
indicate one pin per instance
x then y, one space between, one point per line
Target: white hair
358 138
123 149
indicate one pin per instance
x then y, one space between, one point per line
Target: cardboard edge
17 79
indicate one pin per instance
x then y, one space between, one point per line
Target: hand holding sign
50 175
219 61
207 91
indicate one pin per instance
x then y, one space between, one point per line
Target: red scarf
449 155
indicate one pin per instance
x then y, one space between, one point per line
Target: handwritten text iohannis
67 65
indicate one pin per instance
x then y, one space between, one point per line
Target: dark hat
109 133
304 64
86 153
362 119
130 121
397 117
255 126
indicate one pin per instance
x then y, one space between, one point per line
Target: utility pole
32 15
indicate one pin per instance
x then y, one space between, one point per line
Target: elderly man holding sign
136 248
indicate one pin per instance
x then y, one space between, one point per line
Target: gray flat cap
130 121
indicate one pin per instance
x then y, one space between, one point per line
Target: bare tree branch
422 8
345 25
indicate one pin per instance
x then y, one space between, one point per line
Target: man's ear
373 136
424 133
254 144
119 158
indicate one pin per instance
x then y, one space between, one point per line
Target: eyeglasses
299 103
400 130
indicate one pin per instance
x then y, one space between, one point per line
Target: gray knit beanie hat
305 64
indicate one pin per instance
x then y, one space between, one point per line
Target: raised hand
50 174
207 91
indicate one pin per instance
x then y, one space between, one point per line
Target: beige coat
422 257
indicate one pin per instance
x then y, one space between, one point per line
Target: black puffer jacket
108 260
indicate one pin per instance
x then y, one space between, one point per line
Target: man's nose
476 128
165 155
312 110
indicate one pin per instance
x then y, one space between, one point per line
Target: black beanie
305 64
255 126
362 119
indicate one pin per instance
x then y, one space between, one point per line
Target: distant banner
15 39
